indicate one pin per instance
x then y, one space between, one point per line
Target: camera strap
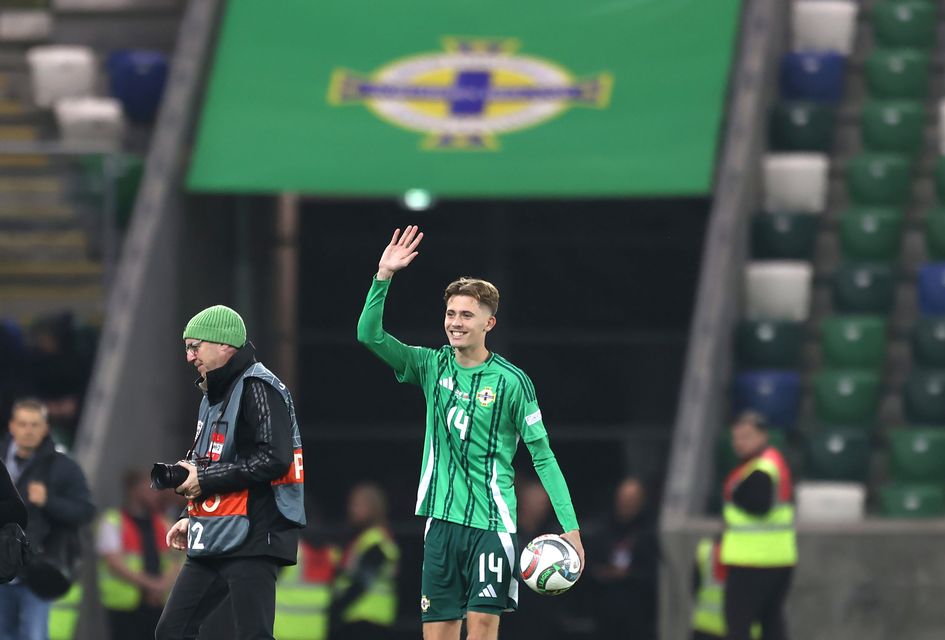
226 403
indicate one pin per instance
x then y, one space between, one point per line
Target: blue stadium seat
137 79
810 75
932 289
773 393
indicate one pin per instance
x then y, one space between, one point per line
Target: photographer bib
220 523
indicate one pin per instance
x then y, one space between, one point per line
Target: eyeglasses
193 347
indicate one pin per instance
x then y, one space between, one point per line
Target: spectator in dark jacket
56 496
625 568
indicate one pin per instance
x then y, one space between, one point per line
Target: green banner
527 98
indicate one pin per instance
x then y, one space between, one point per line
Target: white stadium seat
96 120
824 25
795 182
778 290
61 72
830 501
25 25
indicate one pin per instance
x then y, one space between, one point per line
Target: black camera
167 476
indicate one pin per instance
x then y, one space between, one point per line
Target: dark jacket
263 454
12 508
68 500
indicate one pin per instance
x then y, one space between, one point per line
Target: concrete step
51 274
25 303
35 246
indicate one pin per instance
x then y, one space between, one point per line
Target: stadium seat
768 343
90 120
917 455
824 25
879 179
772 393
801 126
777 290
128 170
726 460
853 341
137 79
923 397
783 236
863 288
60 72
904 24
893 126
897 73
795 182
830 501
846 398
912 501
871 234
810 75
838 453
928 341
935 233
940 178
932 289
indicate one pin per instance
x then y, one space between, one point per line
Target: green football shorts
466 569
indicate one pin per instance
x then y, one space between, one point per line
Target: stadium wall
871 581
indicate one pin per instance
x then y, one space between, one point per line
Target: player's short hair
753 418
30 404
483 291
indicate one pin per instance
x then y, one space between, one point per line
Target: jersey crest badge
424 604
486 396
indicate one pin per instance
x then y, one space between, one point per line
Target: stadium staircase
56 244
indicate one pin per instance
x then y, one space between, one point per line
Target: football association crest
467 94
486 396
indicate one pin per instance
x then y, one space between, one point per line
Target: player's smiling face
467 322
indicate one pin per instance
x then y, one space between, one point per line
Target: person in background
57 497
136 570
364 602
759 544
13 522
58 373
708 613
538 616
303 590
626 570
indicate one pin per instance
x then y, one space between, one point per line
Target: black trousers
203 584
701 635
756 595
361 631
137 624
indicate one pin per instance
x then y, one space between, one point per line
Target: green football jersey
475 418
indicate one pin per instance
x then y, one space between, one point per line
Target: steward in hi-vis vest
245 479
303 594
708 612
135 568
364 598
759 545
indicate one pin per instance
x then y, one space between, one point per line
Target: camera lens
167 476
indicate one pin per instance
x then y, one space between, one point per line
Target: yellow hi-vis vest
303 596
116 593
378 603
760 541
64 613
708 614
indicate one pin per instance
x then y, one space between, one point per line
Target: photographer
58 503
244 481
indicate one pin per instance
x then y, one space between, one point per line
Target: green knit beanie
217 324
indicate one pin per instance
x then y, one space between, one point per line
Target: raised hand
400 252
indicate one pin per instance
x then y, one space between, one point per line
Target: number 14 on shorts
494 566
